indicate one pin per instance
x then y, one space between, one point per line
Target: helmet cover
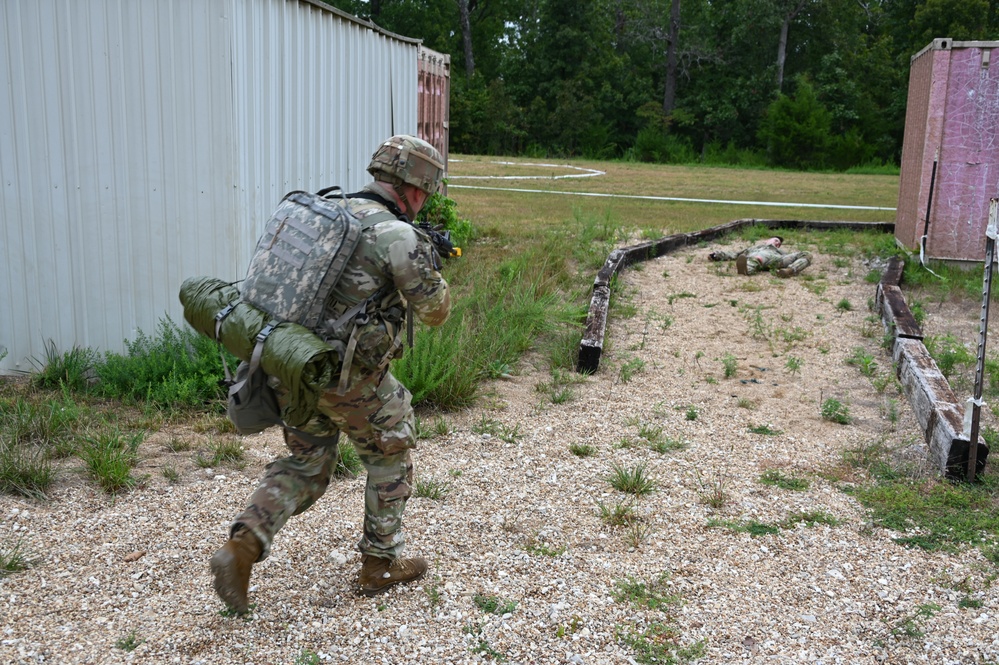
411 160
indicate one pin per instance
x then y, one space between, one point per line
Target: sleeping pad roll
297 357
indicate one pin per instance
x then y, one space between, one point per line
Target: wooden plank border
936 406
592 344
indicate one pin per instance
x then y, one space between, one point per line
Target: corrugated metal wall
145 142
114 151
315 95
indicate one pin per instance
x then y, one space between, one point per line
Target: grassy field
512 213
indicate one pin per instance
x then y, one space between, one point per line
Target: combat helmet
408 159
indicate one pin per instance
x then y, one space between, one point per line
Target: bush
715 153
178 367
796 130
441 212
654 144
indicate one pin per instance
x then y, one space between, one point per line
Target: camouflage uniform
767 257
393 261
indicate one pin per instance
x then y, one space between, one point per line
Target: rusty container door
433 112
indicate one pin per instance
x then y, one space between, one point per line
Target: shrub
796 130
177 367
654 144
835 411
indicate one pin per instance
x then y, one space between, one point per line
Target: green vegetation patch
934 514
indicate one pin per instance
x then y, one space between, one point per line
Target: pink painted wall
952 116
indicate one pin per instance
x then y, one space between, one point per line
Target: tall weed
176 368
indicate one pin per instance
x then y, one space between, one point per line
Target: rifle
446 249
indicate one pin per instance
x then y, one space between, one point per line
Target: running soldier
394 264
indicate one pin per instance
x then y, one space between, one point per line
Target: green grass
109 457
559 390
810 518
14 557
130 642
582 449
25 470
436 428
634 480
652 595
541 548
777 478
431 488
757 529
307 657
658 643
494 604
765 430
712 491
752 527
929 513
950 354
629 368
226 451
348 464
72 369
620 514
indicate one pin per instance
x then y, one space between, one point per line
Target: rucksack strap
240 391
371 196
219 318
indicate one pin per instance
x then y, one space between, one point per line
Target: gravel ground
520 521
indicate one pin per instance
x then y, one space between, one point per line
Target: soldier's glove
713 256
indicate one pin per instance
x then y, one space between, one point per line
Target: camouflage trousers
774 259
376 414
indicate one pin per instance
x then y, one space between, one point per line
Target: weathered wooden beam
935 406
895 312
592 344
893 273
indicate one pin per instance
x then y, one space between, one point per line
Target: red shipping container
434 89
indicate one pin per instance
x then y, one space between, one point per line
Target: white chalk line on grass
589 173
774 204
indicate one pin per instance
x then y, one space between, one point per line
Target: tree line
814 84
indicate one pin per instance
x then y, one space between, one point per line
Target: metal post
976 403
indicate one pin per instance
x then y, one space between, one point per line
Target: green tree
795 129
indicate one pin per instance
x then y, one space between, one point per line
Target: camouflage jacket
763 254
392 265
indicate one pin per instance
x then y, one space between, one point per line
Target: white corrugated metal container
143 142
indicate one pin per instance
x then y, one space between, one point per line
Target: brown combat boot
740 265
379 574
231 565
785 273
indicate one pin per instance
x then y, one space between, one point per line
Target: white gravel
521 520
